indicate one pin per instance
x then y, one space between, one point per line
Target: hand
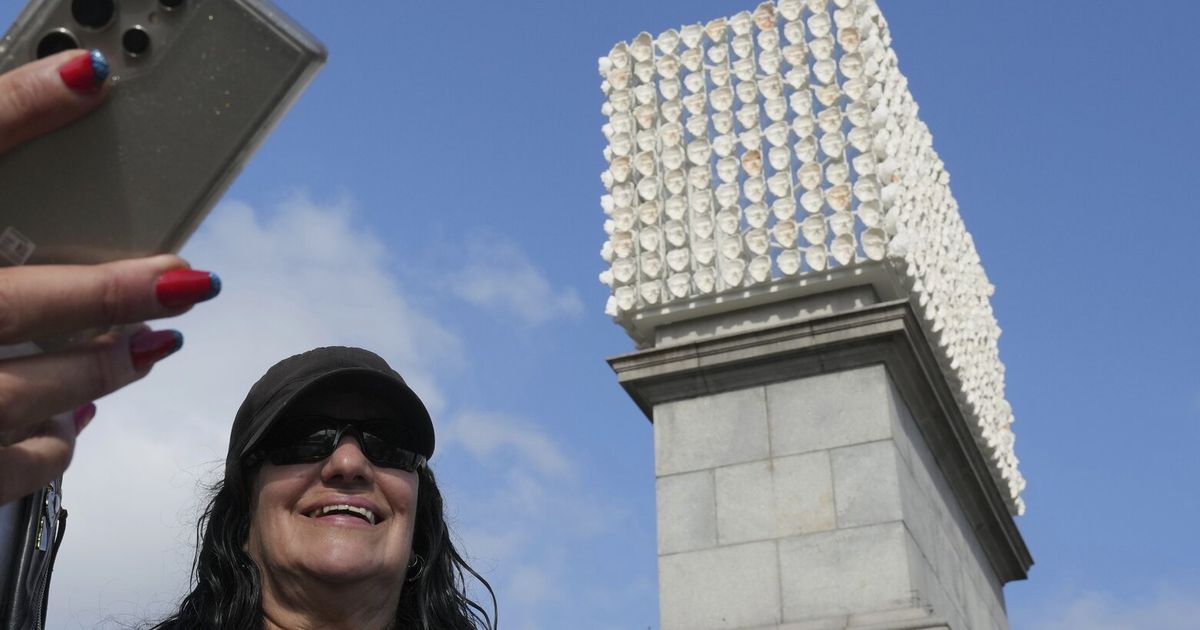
45 398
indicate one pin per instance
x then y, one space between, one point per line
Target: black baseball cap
335 366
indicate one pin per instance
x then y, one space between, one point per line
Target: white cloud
296 278
500 276
1167 609
483 434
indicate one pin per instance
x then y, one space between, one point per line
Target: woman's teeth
351 509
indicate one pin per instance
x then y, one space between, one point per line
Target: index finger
46 301
46 94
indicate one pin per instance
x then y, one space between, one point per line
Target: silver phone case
136 176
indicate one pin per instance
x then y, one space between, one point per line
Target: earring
416 568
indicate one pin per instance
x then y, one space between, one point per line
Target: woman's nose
347 462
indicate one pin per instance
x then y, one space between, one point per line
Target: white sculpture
800 111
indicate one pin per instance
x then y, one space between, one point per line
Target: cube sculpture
777 149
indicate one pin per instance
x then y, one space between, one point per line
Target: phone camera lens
93 13
136 41
171 4
55 42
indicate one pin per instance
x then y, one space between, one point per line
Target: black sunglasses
309 439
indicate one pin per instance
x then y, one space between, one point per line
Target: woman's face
290 538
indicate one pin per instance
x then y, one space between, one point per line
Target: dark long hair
227 589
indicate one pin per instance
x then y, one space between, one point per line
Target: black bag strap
58 538
37 536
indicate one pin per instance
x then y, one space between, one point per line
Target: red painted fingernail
184 287
150 346
83 416
85 73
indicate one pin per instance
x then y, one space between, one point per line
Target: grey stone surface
959 571
866 483
718 589
931 590
860 466
718 430
746 506
888 334
846 571
773 499
824 456
829 410
898 619
687 516
803 494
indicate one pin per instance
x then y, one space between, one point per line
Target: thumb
31 463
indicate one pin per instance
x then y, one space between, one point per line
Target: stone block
774 499
804 499
930 589
717 430
686 508
904 428
746 506
866 484
720 589
845 571
829 410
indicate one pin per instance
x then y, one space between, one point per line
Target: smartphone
198 85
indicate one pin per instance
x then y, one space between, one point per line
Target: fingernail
184 287
151 346
85 73
83 416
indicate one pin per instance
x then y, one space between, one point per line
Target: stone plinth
815 471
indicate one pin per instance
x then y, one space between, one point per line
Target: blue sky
434 195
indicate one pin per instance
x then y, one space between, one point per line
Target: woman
328 515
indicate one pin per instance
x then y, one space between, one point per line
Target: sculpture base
815 472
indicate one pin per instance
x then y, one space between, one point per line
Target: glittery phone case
136 176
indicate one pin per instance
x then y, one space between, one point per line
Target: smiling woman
328 515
